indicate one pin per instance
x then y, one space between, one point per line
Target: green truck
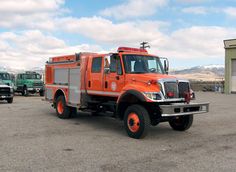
7 78
29 83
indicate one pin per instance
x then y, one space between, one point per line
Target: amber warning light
128 49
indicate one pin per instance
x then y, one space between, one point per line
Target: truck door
233 77
95 75
114 78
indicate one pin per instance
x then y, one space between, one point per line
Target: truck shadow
115 126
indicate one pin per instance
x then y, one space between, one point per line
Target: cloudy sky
188 32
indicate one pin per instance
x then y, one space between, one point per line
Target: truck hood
34 81
8 82
4 86
148 77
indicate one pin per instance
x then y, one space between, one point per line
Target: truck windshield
1 82
138 64
5 76
32 76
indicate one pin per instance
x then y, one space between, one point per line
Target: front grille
38 84
183 89
178 89
171 87
4 91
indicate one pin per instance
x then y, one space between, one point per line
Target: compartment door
233 78
74 86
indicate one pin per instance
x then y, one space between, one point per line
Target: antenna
144 45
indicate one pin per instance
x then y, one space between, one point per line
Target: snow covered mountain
205 73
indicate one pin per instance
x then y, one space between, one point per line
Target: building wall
230 53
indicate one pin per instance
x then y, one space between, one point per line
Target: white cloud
195 10
134 8
105 31
33 48
230 11
195 43
29 6
193 1
32 14
188 43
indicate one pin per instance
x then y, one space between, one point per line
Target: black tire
143 121
10 100
181 123
25 92
63 111
41 93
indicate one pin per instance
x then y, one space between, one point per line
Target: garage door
233 76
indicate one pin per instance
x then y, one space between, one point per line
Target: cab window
97 65
115 65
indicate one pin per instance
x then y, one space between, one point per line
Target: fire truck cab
132 84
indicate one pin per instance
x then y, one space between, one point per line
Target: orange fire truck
132 84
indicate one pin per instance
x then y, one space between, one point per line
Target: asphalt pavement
32 138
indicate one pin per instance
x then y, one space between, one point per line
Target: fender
124 101
135 93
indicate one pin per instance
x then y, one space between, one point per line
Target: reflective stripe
58 86
101 92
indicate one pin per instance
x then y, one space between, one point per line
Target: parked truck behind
131 83
29 83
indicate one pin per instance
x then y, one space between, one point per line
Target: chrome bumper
179 109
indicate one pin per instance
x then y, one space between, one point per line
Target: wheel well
127 100
131 99
57 94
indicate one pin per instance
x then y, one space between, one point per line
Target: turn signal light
187 97
170 94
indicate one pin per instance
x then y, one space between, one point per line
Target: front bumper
3 97
179 109
37 90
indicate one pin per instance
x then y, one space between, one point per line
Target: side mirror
107 61
106 70
166 66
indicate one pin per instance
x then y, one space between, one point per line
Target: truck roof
76 57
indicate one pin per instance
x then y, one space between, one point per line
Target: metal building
230 66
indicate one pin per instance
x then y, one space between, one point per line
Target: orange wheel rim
60 107
133 122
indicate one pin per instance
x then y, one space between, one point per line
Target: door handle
117 78
106 84
89 84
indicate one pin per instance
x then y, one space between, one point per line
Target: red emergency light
128 49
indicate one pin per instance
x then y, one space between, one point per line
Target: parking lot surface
32 138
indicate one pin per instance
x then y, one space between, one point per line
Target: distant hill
201 73
15 71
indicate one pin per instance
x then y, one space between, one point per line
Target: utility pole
144 45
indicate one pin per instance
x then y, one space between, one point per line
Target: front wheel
10 100
136 121
181 123
25 92
41 93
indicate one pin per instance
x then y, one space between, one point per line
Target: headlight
12 90
153 95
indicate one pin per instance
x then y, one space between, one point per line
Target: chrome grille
179 89
38 84
5 91
171 87
183 89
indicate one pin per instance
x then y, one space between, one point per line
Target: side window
113 64
97 65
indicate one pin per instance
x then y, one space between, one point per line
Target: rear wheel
63 111
136 121
181 123
10 100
